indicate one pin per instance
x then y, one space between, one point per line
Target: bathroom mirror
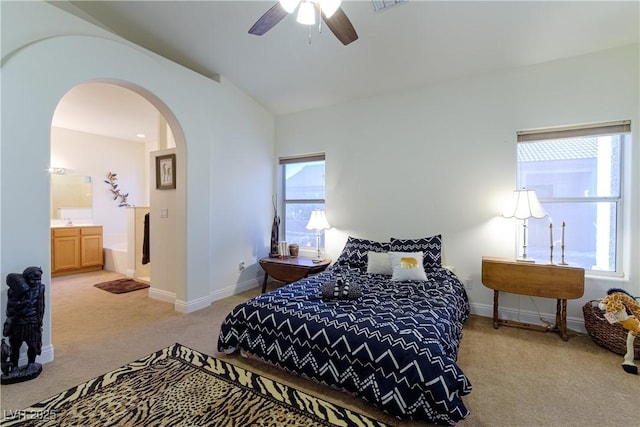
71 197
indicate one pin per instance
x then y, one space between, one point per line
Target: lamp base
529 260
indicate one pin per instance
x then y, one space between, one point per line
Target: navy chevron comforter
396 346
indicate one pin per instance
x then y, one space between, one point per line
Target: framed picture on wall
166 172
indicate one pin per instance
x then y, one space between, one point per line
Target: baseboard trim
180 306
161 295
234 289
532 317
186 307
203 302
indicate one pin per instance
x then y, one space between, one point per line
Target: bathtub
115 257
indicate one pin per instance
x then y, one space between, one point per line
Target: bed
394 345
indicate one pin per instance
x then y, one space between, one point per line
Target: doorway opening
102 135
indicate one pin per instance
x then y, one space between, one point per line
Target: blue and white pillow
431 248
354 253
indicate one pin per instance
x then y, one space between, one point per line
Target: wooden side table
538 280
289 270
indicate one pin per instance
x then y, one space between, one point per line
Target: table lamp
524 205
318 222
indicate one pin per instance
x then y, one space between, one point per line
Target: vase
294 249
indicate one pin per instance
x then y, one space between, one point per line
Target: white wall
82 153
241 181
46 52
442 159
162 227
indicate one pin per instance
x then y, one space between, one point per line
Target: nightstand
537 280
289 270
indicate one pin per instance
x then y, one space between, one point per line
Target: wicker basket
613 337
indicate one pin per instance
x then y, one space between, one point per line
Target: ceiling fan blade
268 20
341 27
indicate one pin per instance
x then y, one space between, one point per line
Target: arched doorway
102 128
36 76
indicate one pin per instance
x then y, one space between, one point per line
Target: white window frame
623 128
282 162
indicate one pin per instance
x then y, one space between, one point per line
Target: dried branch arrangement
112 179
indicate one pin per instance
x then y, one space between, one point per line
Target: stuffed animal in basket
616 304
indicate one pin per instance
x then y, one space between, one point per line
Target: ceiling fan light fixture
306 13
329 14
289 5
329 7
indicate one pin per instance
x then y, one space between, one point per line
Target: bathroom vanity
76 249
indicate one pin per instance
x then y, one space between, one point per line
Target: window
577 175
303 191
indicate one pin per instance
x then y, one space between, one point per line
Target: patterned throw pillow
407 266
431 247
354 253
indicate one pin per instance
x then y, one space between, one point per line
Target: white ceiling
410 45
108 110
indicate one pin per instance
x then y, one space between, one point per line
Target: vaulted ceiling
412 44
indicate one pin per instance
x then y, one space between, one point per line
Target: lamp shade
318 221
329 7
306 13
524 204
289 5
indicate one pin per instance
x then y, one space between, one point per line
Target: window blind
300 159
607 128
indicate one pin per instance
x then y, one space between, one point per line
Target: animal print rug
178 386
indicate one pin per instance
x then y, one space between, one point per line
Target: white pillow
379 263
407 266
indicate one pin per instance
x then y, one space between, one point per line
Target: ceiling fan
330 11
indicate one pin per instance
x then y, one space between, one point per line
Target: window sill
606 276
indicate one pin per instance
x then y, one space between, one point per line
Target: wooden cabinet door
66 253
76 250
91 250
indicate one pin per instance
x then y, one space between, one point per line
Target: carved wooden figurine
25 313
